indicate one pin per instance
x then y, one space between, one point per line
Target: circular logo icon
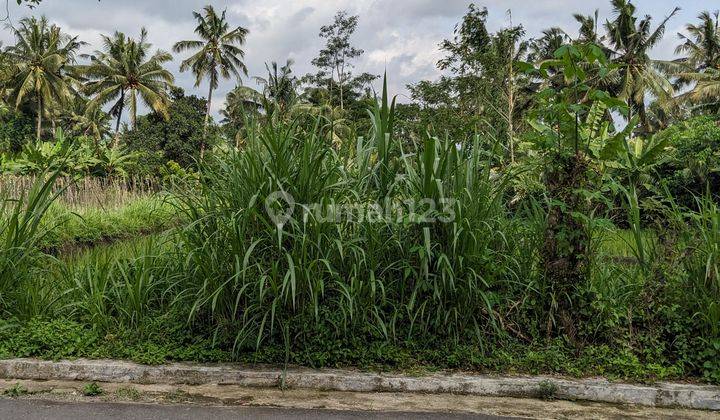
280 206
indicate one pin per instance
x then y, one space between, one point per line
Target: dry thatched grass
105 193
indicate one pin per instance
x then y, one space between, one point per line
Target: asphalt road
32 409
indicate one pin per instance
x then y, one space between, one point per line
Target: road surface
35 409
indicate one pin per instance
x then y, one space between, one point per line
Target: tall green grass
21 233
121 285
33 222
391 278
699 237
90 225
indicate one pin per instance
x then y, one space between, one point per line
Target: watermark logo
280 206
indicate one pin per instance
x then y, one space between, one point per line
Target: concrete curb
598 390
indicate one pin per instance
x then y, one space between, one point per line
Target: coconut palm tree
39 61
700 49
701 46
89 121
113 51
279 85
123 71
700 66
219 54
241 100
631 41
706 92
544 47
588 32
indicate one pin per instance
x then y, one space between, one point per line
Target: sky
401 36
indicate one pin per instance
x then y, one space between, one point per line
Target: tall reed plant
21 234
428 256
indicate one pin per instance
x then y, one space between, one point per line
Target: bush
16 129
711 366
177 139
693 166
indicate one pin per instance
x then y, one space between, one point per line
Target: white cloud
400 35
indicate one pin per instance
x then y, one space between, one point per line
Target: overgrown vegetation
535 214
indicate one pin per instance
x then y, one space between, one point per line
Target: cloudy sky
400 35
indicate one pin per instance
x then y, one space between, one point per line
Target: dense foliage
178 138
548 205
692 167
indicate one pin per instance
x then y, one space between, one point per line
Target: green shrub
16 129
92 390
693 166
159 140
711 366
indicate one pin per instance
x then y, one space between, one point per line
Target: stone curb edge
704 397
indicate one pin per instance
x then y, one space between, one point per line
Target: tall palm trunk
133 109
342 100
207 120
39 118
511 103
644 120
340 68
116 140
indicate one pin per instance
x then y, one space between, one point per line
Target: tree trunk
207 120
342 102
342 99
642 113
116 140
39 119
511 104
511 111
133 109
341 82
566 243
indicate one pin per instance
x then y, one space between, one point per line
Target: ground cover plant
463 285
557 224
92 212
91 226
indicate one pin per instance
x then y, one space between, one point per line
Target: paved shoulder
34 409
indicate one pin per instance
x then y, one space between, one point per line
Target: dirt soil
233 395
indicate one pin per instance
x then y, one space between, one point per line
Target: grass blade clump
20 238
400 245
